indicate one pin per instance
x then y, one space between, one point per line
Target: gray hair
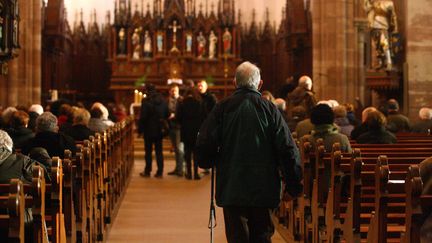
305 82
425 113
46 122
81 116
6 141
36 108
247 75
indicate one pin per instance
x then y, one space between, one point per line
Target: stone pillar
360 87
22 84
418 55
334 47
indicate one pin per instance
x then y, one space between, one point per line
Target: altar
175 41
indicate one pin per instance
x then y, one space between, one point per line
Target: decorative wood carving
9 32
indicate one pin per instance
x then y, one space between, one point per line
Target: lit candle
136 97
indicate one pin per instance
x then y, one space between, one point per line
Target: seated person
79 130
342 121
34 111
362 128
377 132
96 123
424 125
18 130
322 117
48 137
396 122
105 113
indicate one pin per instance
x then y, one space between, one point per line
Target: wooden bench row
352 197
85 192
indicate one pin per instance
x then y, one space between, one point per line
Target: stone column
418 55
360 88
334 46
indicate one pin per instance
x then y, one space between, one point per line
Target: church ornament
383 27
159 42
227 38
212 44
201 45
174 27
136 43
147 44
189 42
9 32
122 41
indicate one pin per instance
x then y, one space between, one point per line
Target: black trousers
248 224
148 147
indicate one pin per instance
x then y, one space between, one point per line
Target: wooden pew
12 221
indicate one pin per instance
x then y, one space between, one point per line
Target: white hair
46 122
305 82
103 109
36 108
280 103
247 75
7 114
425 113
6 141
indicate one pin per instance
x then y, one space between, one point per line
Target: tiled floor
168 210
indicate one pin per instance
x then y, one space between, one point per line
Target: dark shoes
144 174
158 175
197 177
176 173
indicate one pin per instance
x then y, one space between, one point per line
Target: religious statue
147 44
201 40
212 44
159 39
122 41
136 44
383 23
227 38
188 42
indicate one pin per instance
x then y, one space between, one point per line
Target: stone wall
418 55
22 84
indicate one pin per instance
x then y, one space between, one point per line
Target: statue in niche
122 41
212 44
159 39
201 40
1 27
382 23
136 44
188 42
147 44
227 38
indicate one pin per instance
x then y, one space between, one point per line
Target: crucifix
174 27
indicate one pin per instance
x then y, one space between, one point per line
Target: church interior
79 60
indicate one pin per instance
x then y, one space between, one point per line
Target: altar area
174 41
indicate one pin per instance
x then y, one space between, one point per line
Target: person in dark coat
48 137
96 122
362 128
396 122
154 112
209 99
302 95
34 111
248 141
18 130
79 130
190 114
424 124
377 132
341 120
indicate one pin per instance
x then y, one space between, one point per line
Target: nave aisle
168 210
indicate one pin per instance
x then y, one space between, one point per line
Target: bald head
305 82
366 112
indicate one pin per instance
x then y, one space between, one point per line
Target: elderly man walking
246 138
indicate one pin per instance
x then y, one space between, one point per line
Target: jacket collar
325 129
242 90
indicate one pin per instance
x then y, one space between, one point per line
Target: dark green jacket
248 141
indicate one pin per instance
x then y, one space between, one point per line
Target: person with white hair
48 137
246 138
105 113
13 165
424 124
363 127
302 96
34 111
6 116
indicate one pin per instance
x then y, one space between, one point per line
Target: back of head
95 112
392 105
7 114
81 116
366 112
102 108
305 82
322 114
36 108
19 119
247 76
340 111
150 88
425 113
46 122
376 120
280 103
5 141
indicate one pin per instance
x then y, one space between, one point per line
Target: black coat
250 144
54 143
209 101
79 132
154 109
190 114
377 136
20 136
15 166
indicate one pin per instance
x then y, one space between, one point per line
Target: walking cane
212 220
